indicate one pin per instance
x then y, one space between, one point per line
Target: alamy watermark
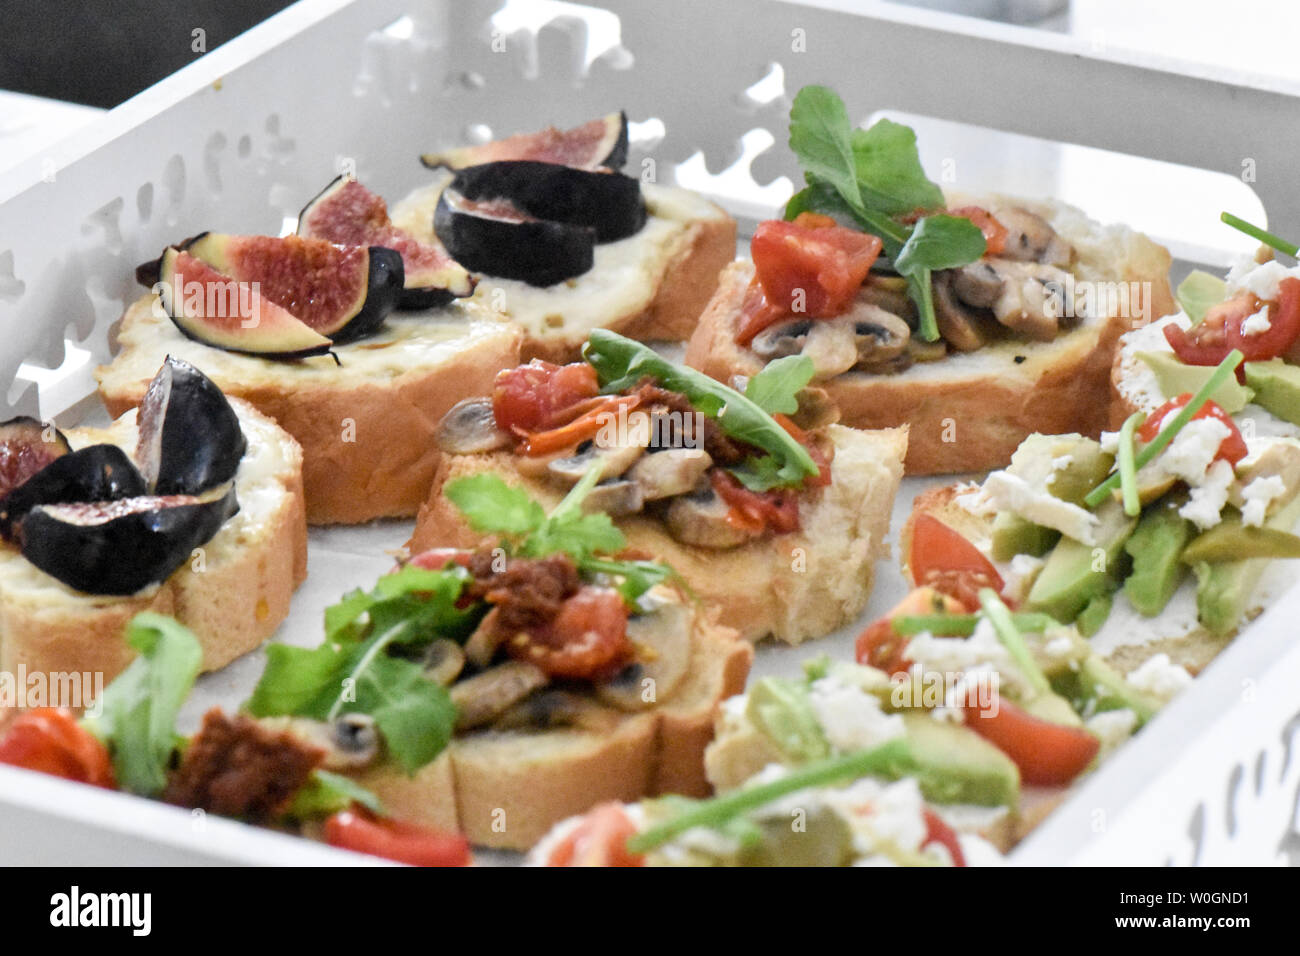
74 690
212 299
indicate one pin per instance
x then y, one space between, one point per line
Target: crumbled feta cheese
1262 279
1160 677
964 660
852 718
1205 506
1059 647
1112 728
1019 575
1189 455
1007 492
1256 324
1110 442
1257 496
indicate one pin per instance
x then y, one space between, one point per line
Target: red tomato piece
1045 753
811 271
1232 449
600 839
757 511
936 831
1210 341
995 234
947 562
50 739
362 832
537 395
586 640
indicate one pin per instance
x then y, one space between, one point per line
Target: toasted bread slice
969 411
507 788
793 586
365 424
651 286
233 593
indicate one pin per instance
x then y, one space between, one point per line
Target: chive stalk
1281 245
1157 444
1005 628
963 625
887 760
1127 470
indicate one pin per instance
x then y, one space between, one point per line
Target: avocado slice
1156 547
1013 535
953 764
1224 588
1175 378
1087 467
825 839
1277 388
1075 573
1094 614
780 708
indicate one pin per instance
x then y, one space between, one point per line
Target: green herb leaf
352 671
937 242
888 169
327 793
490 505
758 474
621 363
1127 469
636 577
1198 292
821 136
776 387
137 719
1003 624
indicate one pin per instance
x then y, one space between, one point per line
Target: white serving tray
241 138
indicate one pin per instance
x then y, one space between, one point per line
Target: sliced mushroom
673 471
926 351
483 643
880 336
550 708
616 458
615 498
1033 300
349 742
889 293
958 326
662 638
1030 238
470 428
832 344
443 661
782 339
484 697
816 408
978 284
700 518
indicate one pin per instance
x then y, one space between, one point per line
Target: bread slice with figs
191 506
774 522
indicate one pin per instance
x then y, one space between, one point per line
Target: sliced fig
214 309
348 213
496 238
343 292
119 547
26 446
93 473
606 201
600 142
189 436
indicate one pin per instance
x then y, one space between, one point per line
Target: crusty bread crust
687 283
233 597
793 587
507 789
368 446
971 416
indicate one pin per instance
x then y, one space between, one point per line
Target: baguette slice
365 424
794 586
969 411
507 788
651 286
233 595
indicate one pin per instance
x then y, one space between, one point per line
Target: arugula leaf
352 671
776 387
327 793
621 363
888 170
937 242
887 181
758 474
637 577
1198 292
137 721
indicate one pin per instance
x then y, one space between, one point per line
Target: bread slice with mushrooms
233 592
1014 359
793 586
550 753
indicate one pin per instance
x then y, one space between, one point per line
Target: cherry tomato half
50 740
600 839
1232 449
536 396
362 832
947 562
1045 753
